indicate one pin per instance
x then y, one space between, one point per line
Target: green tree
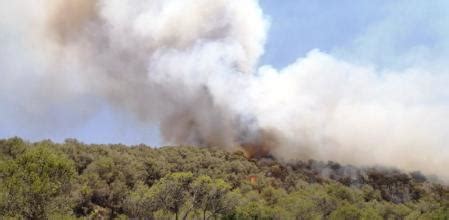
210 195
441 213
351 212
300 207
11 148
171 192
252 206
34 181
138 203
272 196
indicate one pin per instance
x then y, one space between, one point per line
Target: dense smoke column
157 59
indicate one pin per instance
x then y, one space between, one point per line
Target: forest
72 180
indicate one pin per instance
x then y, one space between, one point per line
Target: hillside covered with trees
74 180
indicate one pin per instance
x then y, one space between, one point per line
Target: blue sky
383 33
300 26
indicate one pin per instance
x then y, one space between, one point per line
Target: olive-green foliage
171 192
74 180
32 182
139 202
211 195
352 212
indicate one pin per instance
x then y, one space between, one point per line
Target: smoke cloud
191 66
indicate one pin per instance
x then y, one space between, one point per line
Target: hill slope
71 180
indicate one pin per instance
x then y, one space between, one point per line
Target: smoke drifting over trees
192 67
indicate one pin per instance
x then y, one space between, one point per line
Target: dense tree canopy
73 180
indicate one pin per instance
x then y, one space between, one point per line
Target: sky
300 26
383 34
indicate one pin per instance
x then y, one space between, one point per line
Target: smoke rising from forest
192 66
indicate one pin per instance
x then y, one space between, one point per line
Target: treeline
47 180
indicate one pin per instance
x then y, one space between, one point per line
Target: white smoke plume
191 66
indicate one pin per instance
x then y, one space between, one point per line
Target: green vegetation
72 180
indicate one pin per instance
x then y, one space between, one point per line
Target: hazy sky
382 33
